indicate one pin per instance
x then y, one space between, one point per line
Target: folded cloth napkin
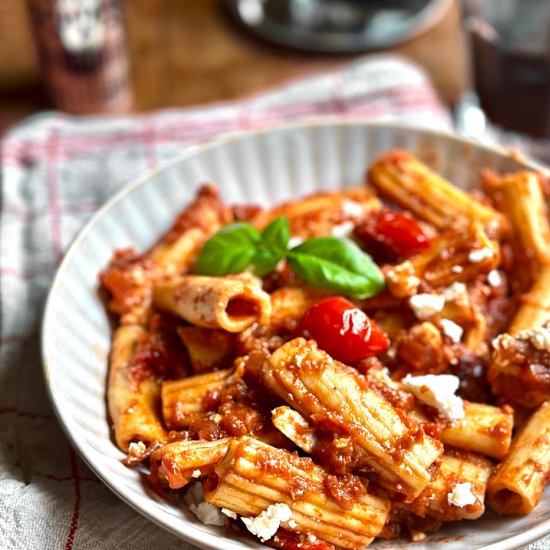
55 171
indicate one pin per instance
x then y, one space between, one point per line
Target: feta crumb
137 452
477 256
343 230
461 495
437 390
206 512
426 305
457 269
454 291
385 372
217 418
292 524
136 449
494 278
292 424
402 279
417 536
452 330
352 209
311 538
295 241
196 473
265 525
229 513
539 337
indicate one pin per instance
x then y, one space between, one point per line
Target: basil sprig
329 263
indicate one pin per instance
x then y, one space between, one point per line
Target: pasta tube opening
230 303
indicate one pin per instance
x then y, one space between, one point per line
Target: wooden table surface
188 52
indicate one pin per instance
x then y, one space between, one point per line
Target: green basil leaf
336 264
277 234
265 260
230 250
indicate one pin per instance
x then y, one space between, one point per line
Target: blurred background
177 53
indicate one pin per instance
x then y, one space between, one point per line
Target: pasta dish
352 365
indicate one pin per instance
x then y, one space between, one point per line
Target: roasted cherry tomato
343 330
398 231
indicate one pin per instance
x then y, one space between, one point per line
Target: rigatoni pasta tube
133 401
403 179
516 485
484 429
175 464
208 349
253 476
472 250
289 304
324 390
520 198
534 310
177 248
457 489
317 214
183 400
230 303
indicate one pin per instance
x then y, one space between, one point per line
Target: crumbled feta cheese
452 330
437 390
539 337
426 305
402 279
295 241
352 209
494 278
457 269
461 495
137 452
454 291
206 512
292 424
196 473
136 449
265 525
343 230
477 256
311 538
229 513
385 372
292 524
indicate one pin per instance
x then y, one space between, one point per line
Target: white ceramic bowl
265 167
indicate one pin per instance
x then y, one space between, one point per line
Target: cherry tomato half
343 330
398 231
